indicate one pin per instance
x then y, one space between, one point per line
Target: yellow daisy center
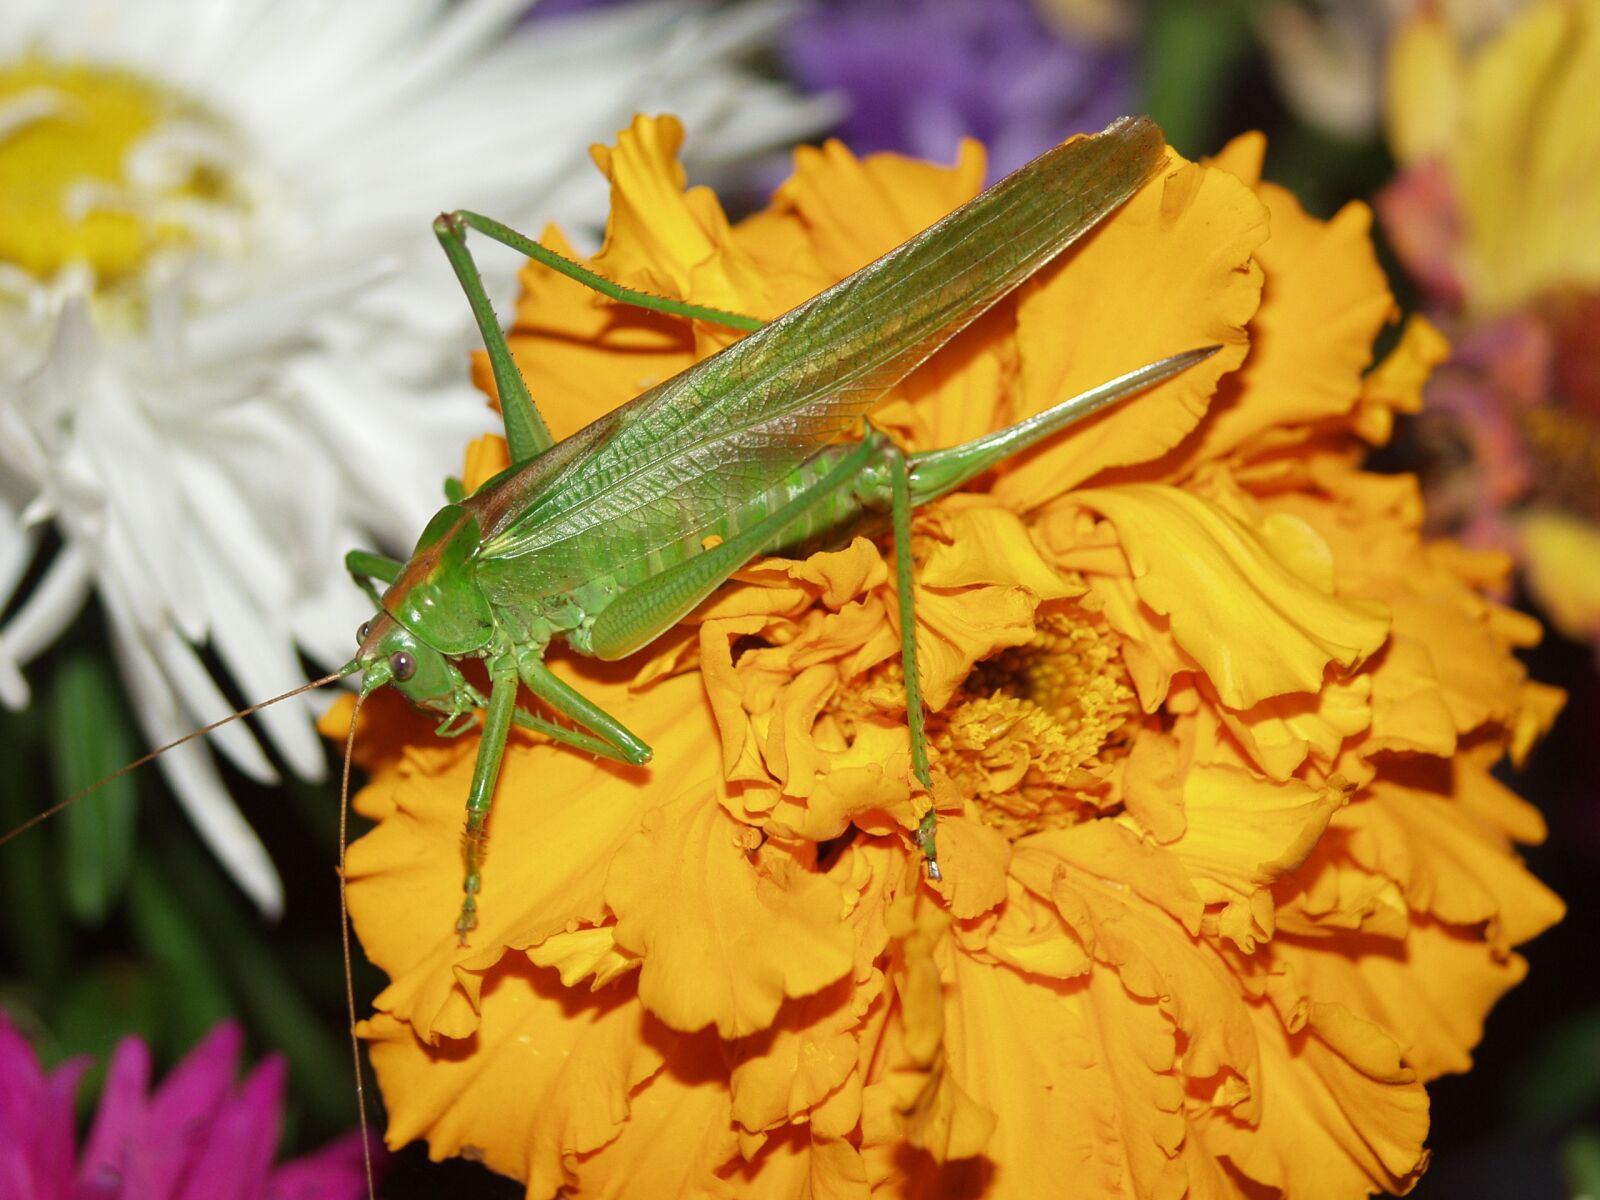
101 169
1032 734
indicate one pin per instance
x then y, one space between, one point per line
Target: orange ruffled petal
1236 604
1226 872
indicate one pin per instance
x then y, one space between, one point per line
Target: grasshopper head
391 653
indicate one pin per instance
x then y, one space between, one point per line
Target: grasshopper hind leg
900 492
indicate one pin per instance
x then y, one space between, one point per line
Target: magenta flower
199 1135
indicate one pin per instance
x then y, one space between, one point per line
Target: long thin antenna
344 938
37 818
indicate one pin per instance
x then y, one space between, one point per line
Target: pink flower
1496 214
199 1135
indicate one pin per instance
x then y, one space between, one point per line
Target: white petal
198 701
300 388
18 542
50 607
190 771
220 825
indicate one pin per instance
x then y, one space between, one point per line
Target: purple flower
543 9
199 1136
921 74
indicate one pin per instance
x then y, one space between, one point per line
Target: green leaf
1191 52
104 1002
1564 1075
319 1063
1325 171
193 986
1580 1163
91 737
32 915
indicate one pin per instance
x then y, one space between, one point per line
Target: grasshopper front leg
527 434
451 225
365 566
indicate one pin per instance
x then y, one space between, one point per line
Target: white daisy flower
230 349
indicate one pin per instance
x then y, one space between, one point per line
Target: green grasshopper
601 539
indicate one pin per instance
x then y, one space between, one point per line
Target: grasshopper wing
686 453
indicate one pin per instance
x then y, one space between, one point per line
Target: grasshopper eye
361 634
403 665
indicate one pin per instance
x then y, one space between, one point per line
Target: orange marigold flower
1227 876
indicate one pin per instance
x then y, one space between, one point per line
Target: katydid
600 539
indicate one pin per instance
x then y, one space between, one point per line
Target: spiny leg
900 492
485 774
365 566
522 244
575 738
935 472
620 743
613 742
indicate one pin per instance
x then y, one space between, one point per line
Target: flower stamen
1031 736
1565 446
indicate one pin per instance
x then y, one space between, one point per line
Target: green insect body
601 539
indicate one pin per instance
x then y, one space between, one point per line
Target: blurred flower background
229 351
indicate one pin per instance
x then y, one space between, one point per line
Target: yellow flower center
1565 448
100 169
1031 737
